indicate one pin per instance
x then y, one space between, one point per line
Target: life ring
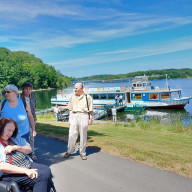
122 89
59 92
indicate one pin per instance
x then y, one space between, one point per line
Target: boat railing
65 91
175 102
98 111
104 89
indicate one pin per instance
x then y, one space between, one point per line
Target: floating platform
131 107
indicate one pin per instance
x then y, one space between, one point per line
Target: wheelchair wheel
52 188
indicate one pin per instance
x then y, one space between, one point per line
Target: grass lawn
165 146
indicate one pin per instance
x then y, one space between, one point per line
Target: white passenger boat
141 93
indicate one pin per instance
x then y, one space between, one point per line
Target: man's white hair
79 83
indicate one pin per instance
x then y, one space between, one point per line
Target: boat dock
101 113
97 113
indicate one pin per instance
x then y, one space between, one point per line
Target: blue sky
92 37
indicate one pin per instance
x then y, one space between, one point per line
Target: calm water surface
44 98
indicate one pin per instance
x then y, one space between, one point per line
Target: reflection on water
44 98
164 115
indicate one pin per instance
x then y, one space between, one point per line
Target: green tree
16 67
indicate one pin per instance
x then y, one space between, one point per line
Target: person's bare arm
91 117
31 119
12 169
24 149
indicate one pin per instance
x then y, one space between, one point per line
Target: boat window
180 94
175 95
95 96
165 95
103 96
154 96
137 96
134 85
111 96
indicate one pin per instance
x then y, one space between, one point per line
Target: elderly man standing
80 116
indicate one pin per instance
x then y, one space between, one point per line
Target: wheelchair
13 187
9 186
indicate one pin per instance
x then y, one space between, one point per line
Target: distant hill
153 75
16 67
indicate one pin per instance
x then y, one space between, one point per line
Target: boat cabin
156 96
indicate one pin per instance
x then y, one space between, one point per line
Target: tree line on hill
17 67
153 75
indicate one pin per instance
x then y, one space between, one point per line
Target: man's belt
80 112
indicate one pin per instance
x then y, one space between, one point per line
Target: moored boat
140 95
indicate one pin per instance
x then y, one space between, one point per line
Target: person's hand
34 133
90 121
31 173
9 148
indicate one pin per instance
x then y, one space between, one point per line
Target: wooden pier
103 112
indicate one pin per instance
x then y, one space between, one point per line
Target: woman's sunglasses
7 92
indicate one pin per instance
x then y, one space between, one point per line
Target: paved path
104 173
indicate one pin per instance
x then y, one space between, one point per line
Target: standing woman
14 108
31 99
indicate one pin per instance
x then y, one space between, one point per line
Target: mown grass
163 145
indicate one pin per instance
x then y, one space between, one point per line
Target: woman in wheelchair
15 164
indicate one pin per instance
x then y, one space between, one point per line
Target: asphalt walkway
102 172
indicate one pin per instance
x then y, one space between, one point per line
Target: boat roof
140 78
99 90
127 89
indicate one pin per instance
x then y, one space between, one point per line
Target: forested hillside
16 67
153 74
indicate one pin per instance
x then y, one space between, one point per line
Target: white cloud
22 10
25 10
110 23
162 48
128 54
42 40
99 25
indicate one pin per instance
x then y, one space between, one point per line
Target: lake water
185 114
44 97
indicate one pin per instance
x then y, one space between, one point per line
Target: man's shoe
83 157
67 155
